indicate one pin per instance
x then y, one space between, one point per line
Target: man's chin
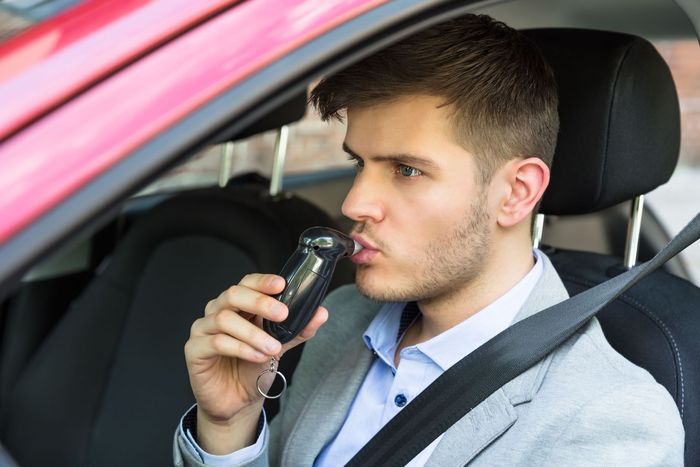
368 285
381 289
370 293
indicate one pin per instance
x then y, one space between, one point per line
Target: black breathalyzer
307 274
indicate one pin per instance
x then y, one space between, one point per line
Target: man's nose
364 201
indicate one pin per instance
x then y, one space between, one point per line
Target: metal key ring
272 369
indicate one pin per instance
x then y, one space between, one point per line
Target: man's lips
367 254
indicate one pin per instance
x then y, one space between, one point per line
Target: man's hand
226 352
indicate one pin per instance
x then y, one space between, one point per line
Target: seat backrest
108 384
619 138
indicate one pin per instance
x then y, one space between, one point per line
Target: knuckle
220 319
195 326
231 294
218 343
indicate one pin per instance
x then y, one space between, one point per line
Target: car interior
74 340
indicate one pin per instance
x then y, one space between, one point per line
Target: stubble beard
452 261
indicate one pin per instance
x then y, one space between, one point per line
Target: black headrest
620 119
289 111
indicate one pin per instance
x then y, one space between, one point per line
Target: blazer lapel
328 406
475 431
490 419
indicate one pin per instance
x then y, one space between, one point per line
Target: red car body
78 93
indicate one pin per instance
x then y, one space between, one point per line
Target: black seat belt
478 375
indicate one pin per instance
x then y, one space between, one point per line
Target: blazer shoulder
591 396
589 349
587 373
635 423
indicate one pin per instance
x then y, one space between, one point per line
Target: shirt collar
448 348
380 336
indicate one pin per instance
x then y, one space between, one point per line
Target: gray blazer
582 405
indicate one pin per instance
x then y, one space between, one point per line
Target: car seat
620 138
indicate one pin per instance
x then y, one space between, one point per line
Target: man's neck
501 273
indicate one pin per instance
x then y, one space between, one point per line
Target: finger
246 300
316 322
319 318
230 323
265 283
209 308
206 347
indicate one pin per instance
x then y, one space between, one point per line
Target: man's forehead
406 119
414 126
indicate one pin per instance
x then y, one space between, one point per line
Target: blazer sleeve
635 424
182 457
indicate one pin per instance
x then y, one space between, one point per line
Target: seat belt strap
478 375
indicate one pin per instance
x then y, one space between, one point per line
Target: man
452 132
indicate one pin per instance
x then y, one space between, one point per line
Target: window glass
676 202
18 15
313 146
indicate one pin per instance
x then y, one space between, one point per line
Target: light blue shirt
386 388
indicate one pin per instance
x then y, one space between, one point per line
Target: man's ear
526 180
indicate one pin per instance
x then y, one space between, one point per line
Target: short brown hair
501 90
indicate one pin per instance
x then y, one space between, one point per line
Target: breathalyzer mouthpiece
358 248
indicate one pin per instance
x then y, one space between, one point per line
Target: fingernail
271 347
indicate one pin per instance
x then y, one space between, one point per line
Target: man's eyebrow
406 159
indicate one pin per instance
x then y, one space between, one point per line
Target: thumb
319 318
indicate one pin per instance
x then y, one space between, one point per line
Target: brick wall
683 58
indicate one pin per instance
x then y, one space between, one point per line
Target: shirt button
400 400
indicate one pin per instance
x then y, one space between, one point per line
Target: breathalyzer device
307 274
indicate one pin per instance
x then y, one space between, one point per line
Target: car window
675 203
313 146
18 15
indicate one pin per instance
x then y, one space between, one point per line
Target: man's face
424 220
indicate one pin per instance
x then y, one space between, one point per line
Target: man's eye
356 162
408 171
